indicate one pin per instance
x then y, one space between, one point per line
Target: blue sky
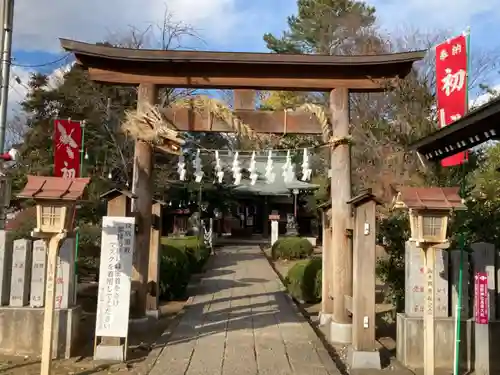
231 25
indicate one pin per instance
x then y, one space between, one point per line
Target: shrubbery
194 249
304 280
291 248
180 257
174 273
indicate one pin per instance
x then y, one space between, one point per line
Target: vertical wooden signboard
115 273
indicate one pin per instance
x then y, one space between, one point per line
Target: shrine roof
113 193
476 127
431 198
54 188
178 68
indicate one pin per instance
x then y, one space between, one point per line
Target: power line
42 65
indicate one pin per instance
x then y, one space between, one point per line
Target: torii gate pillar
341 240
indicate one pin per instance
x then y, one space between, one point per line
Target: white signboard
115 272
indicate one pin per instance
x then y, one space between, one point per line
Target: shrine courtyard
238 320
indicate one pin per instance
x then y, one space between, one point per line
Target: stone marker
5 267
483 256
65 279
441 283
414 282
274 231
38 274
21 269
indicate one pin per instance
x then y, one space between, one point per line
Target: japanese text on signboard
114 279
67 146
481 297
451 86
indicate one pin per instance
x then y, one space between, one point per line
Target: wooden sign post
154 260
428 211
55 199
363 353
429 349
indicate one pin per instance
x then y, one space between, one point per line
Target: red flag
451 87
67 146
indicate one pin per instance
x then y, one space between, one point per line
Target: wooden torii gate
244 72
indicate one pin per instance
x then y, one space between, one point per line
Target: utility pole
3 4
8 21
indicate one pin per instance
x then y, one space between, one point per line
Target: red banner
451 87
481 297
67 146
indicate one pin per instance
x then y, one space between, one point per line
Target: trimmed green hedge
194 249
174 273
291 248
304 280
180 257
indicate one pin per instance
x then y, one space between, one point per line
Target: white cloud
39 23
18 87
486 97
451 15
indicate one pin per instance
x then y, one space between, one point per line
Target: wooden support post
326 293
364 354
54 244
340 330
154 262
429 256
142 188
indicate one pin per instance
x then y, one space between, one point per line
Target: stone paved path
242 323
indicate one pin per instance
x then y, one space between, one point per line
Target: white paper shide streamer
219 172
253 170
288 170
270 175
198 172
181 168
306 169
236 169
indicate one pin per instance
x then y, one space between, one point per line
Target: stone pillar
455 269
415 281
21 269
5 267
65 279
38 274
341 326
274 231
483 256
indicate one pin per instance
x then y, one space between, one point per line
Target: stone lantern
429 210
55 199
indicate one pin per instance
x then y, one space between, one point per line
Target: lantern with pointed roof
429 210
55 199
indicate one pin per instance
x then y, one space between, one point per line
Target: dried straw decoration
217 108
149 125
322 117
